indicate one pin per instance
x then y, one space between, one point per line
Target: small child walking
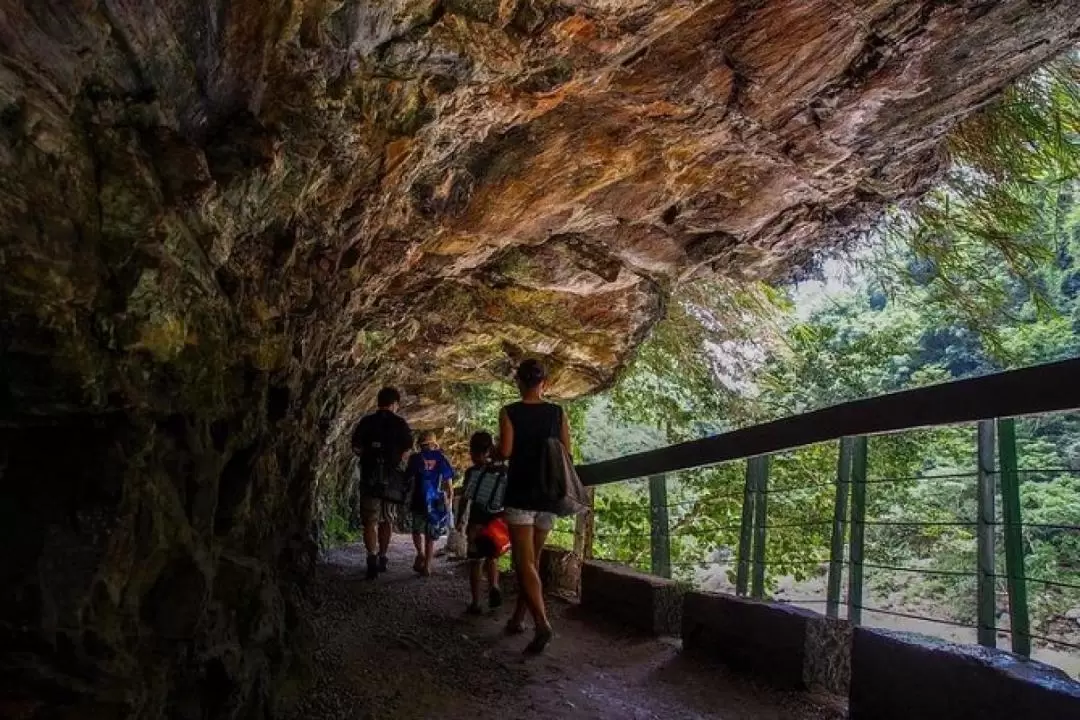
481 508
432 474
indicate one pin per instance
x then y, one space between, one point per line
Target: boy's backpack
487 488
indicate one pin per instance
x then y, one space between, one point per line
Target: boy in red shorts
481 504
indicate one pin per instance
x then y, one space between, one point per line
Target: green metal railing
989 402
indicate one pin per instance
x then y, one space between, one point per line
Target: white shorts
539 520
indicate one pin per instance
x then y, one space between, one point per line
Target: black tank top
533 424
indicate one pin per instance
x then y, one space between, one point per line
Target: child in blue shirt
431 499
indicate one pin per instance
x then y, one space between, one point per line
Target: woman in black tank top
524 429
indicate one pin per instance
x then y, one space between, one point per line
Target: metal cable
924 571
780 491
1041 581
1044 526
1050 640
617 536
805 523
682 503
918 523
917 617
700 563
919 478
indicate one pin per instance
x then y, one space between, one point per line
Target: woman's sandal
539 642
514 628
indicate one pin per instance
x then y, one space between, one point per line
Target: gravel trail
401 647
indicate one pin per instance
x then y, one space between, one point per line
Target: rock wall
224 224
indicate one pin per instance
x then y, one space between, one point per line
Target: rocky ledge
224 224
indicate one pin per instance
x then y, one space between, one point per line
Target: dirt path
401 647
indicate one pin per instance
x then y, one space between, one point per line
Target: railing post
840 511
759 467
584 527
1019 622
746 532
984 537
659 530
858 520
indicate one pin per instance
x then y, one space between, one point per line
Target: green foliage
336 531
984 234
711 335
478 405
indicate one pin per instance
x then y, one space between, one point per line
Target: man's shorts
539 520
421 525
376 510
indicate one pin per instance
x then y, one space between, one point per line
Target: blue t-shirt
429 470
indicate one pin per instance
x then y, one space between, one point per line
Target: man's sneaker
383 563
372 567
494 598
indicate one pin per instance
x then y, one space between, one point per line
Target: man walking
381 441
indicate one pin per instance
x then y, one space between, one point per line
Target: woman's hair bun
530 373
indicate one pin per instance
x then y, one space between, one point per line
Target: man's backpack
383 481
379 474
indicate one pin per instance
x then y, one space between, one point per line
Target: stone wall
898 676
827 665
645 602
886 675
767 640
788 646
560 571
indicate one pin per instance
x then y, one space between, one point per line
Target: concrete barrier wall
767 640
560 571
886 675
827 664
900 676
648 603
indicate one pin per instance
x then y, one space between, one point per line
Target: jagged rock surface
224 224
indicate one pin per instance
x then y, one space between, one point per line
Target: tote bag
562 487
